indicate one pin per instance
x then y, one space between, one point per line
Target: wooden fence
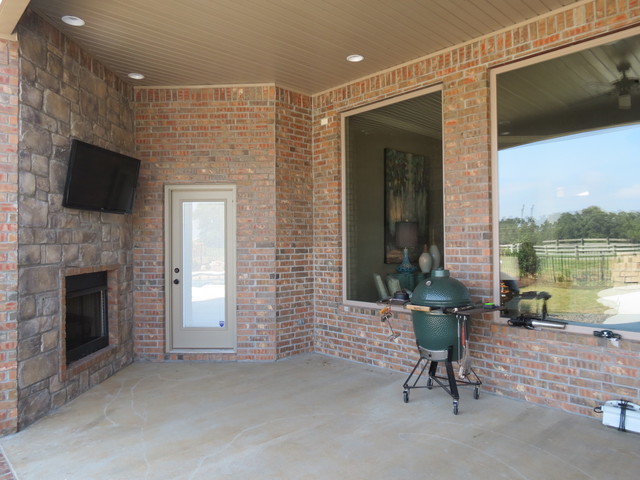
585 262
586 247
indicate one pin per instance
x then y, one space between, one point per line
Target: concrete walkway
309 417
623 303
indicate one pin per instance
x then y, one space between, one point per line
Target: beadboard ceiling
297 44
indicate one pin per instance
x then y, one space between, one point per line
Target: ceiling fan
625 86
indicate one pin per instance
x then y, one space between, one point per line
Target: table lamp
406 238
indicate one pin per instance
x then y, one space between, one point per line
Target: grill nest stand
430 358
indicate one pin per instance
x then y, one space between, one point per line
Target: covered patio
307 417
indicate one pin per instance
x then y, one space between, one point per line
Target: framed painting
406 189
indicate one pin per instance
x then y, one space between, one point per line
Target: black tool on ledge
607 334
530 322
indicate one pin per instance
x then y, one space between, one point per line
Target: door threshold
202 350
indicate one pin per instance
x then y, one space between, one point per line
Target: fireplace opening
86 320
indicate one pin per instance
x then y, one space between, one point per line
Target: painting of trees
406 191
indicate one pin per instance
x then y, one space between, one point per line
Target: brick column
294 215
8 235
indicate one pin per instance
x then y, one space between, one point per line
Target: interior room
198 194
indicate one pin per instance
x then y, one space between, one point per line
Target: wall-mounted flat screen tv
99 179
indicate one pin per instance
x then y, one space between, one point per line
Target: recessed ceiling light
355 58
73 21
136 76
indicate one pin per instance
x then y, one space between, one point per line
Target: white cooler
623 415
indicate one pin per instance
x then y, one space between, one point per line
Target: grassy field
568 298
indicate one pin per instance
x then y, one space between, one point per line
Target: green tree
568 226
628 226
591 222
519 230
595 223
528 262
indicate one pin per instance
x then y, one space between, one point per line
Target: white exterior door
200 260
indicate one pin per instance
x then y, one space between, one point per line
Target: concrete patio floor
308 417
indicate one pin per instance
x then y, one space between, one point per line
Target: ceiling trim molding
222 85
10 13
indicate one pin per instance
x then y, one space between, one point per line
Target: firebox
86 320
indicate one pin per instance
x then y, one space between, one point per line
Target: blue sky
572 173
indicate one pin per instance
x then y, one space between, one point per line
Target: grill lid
440 290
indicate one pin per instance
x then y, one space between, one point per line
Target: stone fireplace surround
65 94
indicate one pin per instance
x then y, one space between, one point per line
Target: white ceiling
297 44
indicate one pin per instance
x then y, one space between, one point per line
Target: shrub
528 261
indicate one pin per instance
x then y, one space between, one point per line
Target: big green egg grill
436 330
440 327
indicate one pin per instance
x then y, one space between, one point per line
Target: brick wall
8 235
209 135
65 94
257 138
625 270
570 371
563 370
294 215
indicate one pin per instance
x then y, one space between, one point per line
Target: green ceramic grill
441 333
436 330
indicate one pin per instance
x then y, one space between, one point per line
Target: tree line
592 222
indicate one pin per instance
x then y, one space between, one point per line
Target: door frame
230 260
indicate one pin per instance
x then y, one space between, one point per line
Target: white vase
425 261
435 256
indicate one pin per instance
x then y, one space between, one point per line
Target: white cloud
629 192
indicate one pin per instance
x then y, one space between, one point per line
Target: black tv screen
99 179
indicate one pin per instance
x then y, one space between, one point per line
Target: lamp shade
407 234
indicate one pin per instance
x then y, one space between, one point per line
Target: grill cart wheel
429 383
405 396
455 407
476 393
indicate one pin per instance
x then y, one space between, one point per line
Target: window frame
493 78
344 116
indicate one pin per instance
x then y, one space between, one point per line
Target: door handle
176 281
